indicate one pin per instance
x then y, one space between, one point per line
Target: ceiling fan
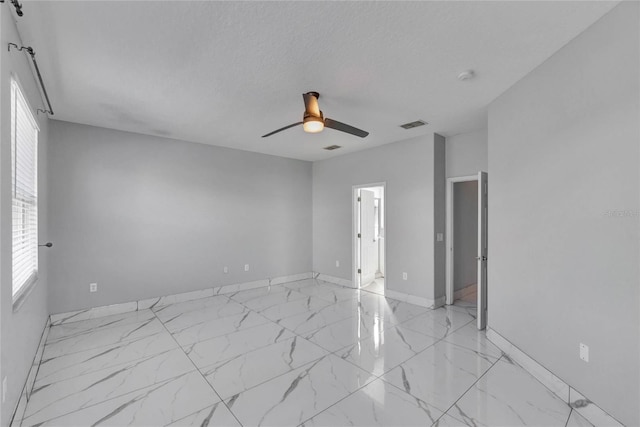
313 121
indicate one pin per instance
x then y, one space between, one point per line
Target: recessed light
466 75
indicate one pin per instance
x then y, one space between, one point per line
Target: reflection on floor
304 353
377 286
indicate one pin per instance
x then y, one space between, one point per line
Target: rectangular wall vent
413 124
332 147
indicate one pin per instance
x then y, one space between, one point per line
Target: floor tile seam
191 310
274 377
201 376
310 331
569 417
43 360
551 392
284 292
229 333
128 340
117 365
280 375
449 333
469 348
165 381
415 397
345 397
246 314
89 331
466 391
157 310
328 304
204 367
128 312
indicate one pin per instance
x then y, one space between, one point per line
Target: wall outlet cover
404 276
337 263
246 267
225 270
93 287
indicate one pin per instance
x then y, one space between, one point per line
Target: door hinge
359 235
359 199
359 271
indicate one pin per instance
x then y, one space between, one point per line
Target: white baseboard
333 279
18 413
411 299
96 312
589 410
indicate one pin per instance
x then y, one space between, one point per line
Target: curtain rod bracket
17 5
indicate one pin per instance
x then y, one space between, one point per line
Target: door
368 244
483 186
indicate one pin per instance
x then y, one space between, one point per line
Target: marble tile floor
304 353
377 286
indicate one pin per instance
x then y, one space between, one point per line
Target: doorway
369 244
466 277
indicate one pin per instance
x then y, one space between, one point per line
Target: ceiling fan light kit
313 124
313 121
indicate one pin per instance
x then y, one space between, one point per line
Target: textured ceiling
225 73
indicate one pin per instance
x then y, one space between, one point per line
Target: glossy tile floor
304 353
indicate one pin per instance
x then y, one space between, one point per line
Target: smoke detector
466 75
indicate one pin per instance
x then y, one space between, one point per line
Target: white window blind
24 166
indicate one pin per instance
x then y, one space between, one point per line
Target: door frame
449 292
355 212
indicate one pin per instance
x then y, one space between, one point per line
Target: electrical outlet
337 263
246 267
225 270
93 287
404 276
4 389
584 352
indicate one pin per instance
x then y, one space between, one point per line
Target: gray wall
467 153
20 330
465 234
563 153
145 216
408 169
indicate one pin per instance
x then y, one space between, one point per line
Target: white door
368 244
482 258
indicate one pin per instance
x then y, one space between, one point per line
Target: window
24 189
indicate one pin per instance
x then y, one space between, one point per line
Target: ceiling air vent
413 124
332 147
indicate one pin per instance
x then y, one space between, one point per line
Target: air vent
413 124
332 147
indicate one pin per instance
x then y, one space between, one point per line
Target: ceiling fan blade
281 129
311 104
333 124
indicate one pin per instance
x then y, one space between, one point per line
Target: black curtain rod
31 52
17 5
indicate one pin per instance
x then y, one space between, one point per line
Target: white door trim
354 229
449 234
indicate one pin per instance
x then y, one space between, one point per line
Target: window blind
24 183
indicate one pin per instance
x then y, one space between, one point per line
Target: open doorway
369 237
466 278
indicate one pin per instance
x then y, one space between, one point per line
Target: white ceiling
225 73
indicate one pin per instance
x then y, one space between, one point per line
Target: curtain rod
31 52
17 5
